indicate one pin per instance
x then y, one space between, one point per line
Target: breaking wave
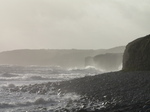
39 101
30 88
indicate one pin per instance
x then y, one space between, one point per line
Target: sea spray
31 88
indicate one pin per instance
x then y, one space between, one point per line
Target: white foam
20 101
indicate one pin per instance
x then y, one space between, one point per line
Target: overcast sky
67 24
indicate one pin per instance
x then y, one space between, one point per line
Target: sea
12 76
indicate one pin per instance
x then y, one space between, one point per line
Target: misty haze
74 56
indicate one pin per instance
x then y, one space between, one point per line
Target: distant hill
43 57
119 49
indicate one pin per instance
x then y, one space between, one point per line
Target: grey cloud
72 23
137 11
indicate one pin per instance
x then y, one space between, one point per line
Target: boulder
137 55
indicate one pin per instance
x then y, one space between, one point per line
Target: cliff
50 57
108 61
137 55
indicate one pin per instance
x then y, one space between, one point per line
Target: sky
72 24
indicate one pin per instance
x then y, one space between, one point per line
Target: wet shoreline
108 92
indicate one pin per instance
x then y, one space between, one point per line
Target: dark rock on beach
121 91
137 55
108 92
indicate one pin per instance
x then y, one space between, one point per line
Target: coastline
120 91
108 92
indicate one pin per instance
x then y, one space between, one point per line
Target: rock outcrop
108 61
137 55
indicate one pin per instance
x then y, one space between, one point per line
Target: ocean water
17 101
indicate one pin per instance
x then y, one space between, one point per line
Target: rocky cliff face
108 61
137 55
